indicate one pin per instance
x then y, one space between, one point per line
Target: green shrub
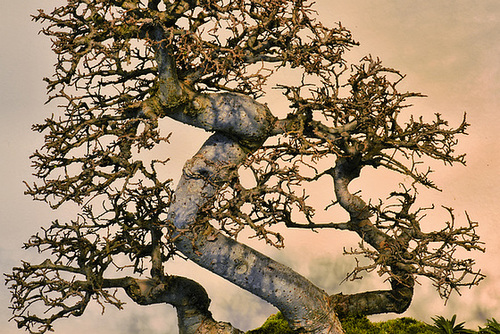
275 324
404 325
361 325
492 327
448 326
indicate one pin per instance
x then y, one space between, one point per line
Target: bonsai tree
124 64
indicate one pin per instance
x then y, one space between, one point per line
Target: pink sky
450 51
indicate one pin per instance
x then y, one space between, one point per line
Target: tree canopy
123 65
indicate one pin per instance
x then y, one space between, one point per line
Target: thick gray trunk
305 305
241 125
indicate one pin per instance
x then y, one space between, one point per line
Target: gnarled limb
188 297
49 285
397 299
234 114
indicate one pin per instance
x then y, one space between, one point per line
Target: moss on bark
277 324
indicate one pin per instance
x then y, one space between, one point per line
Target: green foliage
275 324
492 327
404 325
448 326
361 325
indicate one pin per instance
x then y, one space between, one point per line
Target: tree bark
241 125
402 281
305 306
188 297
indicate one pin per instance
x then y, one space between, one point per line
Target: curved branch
188 297
402 281
396 300
234 114
45 285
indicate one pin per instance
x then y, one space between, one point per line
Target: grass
276 324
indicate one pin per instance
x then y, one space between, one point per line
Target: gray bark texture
241 125
296 297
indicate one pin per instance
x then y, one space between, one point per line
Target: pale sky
450 51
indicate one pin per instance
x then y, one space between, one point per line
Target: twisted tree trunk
241 125
305 306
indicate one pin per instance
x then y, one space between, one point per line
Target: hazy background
450 51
